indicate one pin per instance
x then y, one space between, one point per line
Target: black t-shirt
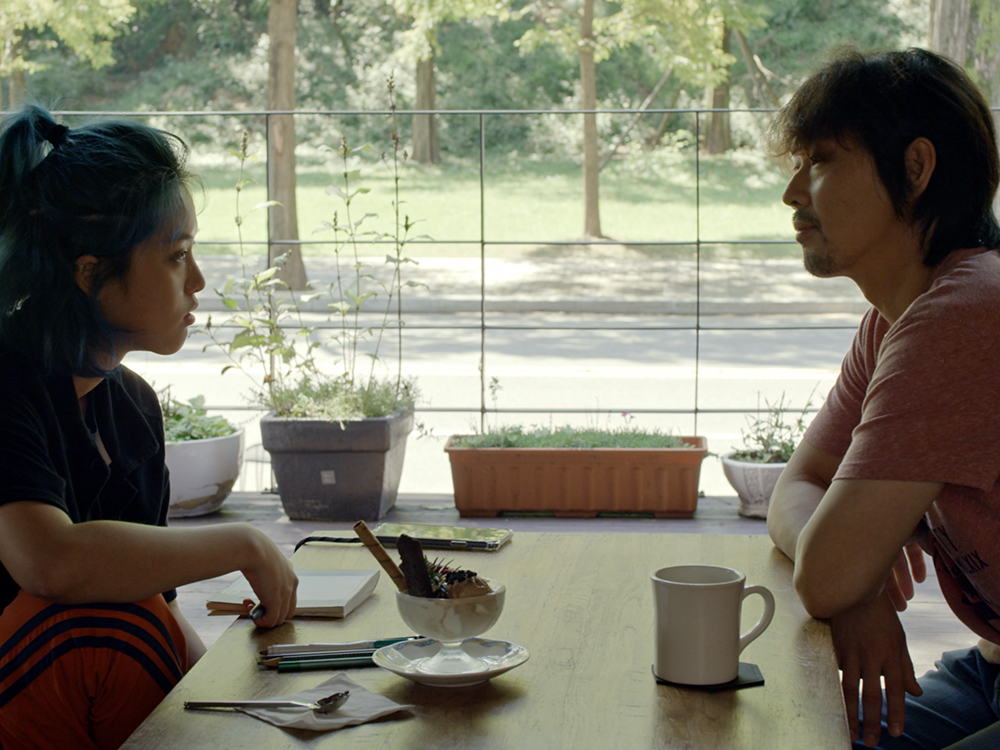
49 454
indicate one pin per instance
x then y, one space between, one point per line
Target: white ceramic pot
753 482
202 473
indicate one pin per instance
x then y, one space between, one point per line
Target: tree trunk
618 142
425 139
954 32
654 138
718 139
16 88
757 72
591 157
283 221
949 30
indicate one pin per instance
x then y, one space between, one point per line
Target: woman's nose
195 280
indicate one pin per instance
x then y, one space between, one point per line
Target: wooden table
582 605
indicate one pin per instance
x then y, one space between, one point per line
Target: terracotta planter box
577 482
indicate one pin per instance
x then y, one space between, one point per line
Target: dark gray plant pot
326 472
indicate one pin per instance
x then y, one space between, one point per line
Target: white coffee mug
698 640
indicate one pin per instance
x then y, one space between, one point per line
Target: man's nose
796 192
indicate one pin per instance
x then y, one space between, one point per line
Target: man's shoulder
965 288
969 273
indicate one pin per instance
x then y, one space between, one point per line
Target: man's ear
84 271
921 159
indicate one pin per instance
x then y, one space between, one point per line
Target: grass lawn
646 197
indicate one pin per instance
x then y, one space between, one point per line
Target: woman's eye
181 255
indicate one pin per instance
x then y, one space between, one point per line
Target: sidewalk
606 285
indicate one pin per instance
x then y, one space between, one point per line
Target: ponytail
97 190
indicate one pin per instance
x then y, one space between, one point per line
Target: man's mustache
802 219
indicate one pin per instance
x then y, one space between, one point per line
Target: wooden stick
376 548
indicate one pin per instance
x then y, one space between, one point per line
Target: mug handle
765 619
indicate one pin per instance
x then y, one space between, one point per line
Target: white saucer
406 658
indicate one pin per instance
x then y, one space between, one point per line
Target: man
895 167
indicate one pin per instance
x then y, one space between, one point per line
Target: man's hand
908 568
870 645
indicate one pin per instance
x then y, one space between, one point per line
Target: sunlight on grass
647 197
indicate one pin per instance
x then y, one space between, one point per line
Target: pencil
376 548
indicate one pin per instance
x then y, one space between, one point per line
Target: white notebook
321 593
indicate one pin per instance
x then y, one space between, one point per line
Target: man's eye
181 255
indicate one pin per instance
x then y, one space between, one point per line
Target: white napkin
361 707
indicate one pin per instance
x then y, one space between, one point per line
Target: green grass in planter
336 400
571 437
190 421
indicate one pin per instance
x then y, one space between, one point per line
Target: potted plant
768 444
575 472
337 441
203 454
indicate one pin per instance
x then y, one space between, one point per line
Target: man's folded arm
844 535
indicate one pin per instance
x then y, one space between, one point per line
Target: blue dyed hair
99 190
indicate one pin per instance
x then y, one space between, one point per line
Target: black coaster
748 676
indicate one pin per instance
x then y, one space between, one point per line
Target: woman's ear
921 159
84 271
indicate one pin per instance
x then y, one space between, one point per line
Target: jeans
960 704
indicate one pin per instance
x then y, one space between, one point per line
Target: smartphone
444 537
430 537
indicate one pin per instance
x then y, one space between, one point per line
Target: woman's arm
55 559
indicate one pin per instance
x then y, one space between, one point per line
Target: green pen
333 662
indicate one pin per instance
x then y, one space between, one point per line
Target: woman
96 234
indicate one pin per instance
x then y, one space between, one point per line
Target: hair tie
55 134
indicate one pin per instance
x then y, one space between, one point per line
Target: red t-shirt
920 401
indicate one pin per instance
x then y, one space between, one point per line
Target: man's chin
820 265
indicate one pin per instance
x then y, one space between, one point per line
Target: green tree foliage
86 27
687 33
211 54
472 56
799 33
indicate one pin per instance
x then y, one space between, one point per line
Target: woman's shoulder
136 389
21 379
31 398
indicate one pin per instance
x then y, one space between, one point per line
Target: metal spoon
323 706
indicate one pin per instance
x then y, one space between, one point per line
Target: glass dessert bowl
450 622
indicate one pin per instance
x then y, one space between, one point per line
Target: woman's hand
272 578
